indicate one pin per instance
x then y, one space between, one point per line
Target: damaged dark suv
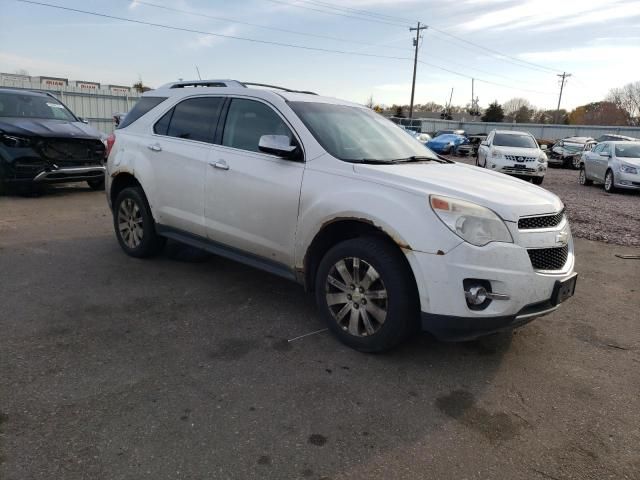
42 141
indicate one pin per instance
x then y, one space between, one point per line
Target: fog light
476 295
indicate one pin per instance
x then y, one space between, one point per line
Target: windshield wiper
370 160
421 158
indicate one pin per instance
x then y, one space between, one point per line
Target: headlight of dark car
15 141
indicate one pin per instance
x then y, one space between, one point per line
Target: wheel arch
340 229
121 181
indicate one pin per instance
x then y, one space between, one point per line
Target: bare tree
627 98
370 103
511 107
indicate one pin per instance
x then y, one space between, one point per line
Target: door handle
221 164
155 147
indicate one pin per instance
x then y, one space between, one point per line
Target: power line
289 4
503 56
495 52
485 81
213 34
254 40
284 30
358 11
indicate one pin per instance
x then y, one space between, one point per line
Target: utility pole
473 110
564 76
416 44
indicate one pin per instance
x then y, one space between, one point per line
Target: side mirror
278 145
543 147
83 120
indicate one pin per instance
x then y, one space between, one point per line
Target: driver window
247 121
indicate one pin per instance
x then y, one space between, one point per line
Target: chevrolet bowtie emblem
562 238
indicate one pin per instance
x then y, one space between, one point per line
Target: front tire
609 182
537 180
366 292
96 184
582 178
134 224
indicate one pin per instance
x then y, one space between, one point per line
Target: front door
252 198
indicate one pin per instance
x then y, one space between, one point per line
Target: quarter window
247 121
144 105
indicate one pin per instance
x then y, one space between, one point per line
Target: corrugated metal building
92 101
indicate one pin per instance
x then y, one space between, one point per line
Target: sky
512 48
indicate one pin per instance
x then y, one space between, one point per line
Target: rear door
179 150
591 162
602 160
252 198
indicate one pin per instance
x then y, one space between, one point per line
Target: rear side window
143 106
191 119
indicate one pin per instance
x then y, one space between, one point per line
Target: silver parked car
615 164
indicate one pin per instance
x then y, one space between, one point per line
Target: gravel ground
593 213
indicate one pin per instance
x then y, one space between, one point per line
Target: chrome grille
520 158
541 221
549 258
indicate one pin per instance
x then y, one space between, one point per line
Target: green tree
494 113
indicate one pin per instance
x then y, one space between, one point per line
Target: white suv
327 193
513 153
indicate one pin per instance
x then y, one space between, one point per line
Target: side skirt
226 251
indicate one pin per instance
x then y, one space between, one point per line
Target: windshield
356 134
631 150
514 140
33 106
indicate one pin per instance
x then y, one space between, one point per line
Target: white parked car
513 153
614 164
332 195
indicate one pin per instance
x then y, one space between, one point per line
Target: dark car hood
42 127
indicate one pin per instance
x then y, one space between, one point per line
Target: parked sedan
447 143
42 141
615 164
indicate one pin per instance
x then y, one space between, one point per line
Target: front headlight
15 141
495 154
628 169
542 158
473 223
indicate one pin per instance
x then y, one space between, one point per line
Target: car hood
630 161
41 127
509 197
525 152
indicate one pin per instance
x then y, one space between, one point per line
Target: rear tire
582 178
576 162
134 225
367 294
96 184
537 180
609 182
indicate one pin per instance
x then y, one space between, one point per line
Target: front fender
403 216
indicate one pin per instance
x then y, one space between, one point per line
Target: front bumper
532 169
627 180
506 267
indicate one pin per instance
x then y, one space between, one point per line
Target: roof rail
251 84
228 84
203 83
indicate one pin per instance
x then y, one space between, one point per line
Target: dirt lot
179 368
594 214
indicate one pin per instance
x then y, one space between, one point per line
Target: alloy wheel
356 296
130 223
608 181
582 177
